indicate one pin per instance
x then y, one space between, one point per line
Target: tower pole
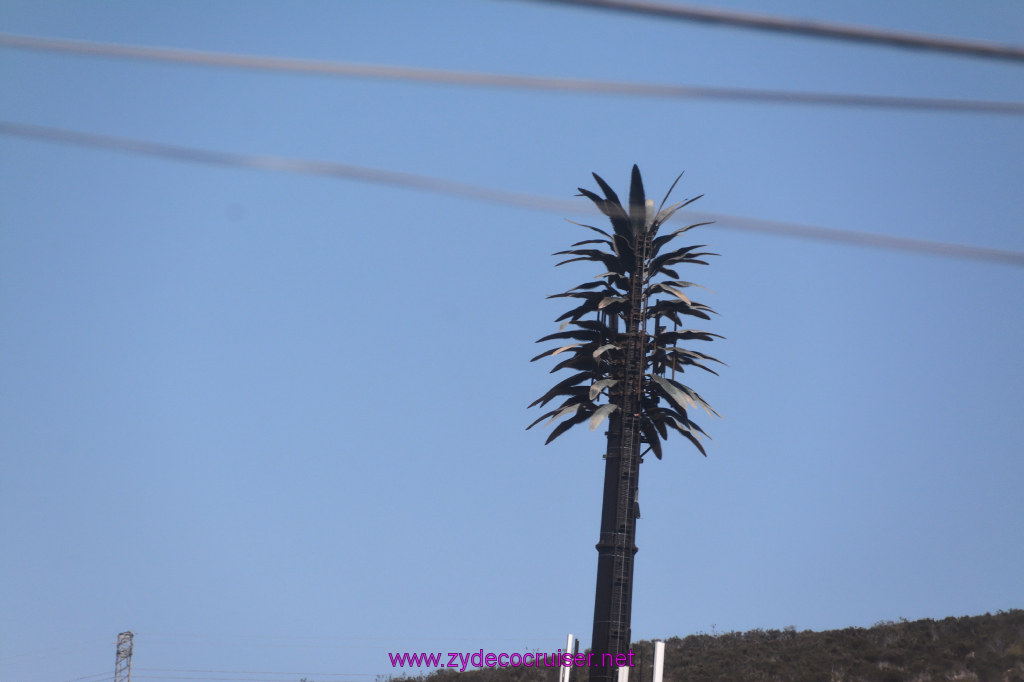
615 352
613 596
123 663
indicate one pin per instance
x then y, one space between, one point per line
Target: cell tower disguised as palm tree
624 361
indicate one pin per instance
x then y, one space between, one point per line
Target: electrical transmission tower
123 663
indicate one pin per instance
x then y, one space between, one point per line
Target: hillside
988 648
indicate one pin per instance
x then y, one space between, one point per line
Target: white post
563 672
624 674
659 659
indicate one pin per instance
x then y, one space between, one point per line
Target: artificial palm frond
640 285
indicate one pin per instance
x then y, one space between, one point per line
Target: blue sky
274 422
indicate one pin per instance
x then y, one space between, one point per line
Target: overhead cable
494 196
496 80
807 27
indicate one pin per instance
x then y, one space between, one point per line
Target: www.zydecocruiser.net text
478 659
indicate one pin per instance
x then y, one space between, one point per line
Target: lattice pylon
123 664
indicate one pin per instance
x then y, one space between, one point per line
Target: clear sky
274 422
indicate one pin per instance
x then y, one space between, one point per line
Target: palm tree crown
618 344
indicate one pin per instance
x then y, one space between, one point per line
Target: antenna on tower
123 664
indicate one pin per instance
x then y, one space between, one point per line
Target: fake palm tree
624 361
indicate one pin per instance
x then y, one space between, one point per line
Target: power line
495 80
291 165
807 27
494 196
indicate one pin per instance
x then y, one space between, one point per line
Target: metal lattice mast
123 663
616 548
621 356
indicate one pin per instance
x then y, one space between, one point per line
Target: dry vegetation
988 648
